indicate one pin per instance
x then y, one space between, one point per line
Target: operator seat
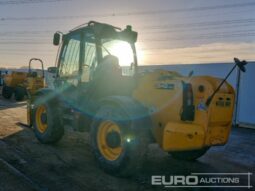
108 68
106 81
107 77
33 74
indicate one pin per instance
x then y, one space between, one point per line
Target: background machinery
23 83
125 110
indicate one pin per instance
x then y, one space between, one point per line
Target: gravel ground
69 165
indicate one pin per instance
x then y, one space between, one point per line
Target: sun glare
123 51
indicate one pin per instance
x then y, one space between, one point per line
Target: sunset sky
170 31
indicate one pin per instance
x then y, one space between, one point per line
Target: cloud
206 53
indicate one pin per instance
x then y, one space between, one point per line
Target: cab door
89 58
89 62
68 76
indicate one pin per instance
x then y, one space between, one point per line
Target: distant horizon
152 65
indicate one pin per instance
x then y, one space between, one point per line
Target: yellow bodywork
34 83
162 93
14 79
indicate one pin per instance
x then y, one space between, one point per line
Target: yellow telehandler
124 111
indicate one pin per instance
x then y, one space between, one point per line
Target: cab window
69 59
90 58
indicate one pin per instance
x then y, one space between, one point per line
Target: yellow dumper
23 83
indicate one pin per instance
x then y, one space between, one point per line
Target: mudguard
48 95
135 111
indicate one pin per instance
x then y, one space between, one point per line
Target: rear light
188 110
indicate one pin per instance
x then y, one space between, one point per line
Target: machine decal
164 85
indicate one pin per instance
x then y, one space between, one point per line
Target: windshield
120 49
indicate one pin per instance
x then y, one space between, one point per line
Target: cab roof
104 30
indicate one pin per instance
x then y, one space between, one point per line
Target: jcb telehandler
23 83
125 111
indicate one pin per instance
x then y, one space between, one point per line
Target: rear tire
134 141
7 92
189 155
47 124
19 93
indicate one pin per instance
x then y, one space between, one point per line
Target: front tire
189 155
19 93
119 145
7 92
47 124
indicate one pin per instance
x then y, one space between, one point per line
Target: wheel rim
41 119
109 150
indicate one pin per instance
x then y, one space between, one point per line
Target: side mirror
191 73
52 70
56 38
240 64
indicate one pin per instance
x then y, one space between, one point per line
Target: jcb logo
174 180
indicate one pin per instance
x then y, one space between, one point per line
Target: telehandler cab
23 83
125 110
